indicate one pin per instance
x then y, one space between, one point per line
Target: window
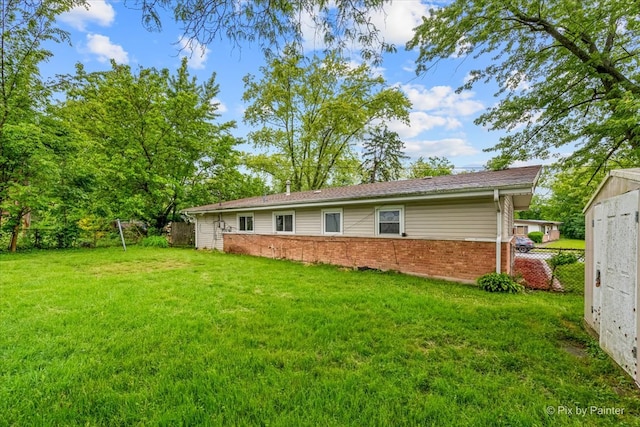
389 221
283 222
245 222
332 221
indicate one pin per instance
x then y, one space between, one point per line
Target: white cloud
398 20
102 47
196 53
442 100
419 122
220 106
96 11
447 147
396 23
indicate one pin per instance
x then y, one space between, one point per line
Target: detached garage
612 263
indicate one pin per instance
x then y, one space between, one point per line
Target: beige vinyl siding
359 221
450 220
507 217
459 220
262 222
204 231
308 222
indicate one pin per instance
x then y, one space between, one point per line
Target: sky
441 120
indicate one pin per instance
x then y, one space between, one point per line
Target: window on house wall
284 222
245 222
389 221
332 221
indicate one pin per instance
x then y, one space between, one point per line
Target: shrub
155 242
499 282
536 236
563 258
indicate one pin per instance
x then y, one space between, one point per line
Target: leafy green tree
382 155
154 138
311 111
568 72
270 22
27 160
433 166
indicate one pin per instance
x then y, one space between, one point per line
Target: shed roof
521 180
629 176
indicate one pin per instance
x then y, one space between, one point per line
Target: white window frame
246 215
284 213
324 225
385 209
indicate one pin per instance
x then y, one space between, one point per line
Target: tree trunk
13 246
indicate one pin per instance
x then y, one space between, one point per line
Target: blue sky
441 120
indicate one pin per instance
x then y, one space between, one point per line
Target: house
612 267
550 229
456 227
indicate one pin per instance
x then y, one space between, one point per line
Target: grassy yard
564 244
179 337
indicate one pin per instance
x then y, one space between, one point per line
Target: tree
27 160
270 22
154 138
433 166
311 111
568 72
382 155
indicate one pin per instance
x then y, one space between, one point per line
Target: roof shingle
525 177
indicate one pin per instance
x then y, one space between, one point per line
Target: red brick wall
450 259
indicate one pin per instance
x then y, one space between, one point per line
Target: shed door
619 279
598 257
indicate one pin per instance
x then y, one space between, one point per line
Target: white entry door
618 269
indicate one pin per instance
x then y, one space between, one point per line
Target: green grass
178 337
564 244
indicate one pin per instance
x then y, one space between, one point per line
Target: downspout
196 233
496 200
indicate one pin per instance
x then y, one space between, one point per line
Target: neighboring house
456 227
612 266
550 229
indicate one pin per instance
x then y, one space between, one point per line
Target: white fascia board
379 200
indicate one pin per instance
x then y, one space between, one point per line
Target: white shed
612 264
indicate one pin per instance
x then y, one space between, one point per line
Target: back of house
455 227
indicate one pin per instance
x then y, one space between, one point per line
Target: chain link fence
551 269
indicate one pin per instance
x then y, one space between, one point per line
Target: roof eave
517 189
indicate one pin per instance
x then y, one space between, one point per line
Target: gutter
496 200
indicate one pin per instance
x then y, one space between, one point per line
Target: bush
155 242
536 236
499 282
563 258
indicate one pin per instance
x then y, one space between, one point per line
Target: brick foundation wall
449 259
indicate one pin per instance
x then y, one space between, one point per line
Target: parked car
524 244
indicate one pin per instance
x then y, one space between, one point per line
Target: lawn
180 337
564 244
